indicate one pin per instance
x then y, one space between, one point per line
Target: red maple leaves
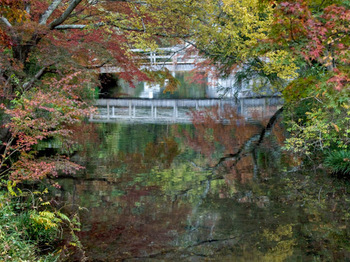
316 36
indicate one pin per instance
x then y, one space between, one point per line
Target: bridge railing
174 110
173 58
169 55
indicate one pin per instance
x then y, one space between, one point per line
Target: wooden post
108 109
152 111
113 112
175 111
134 112
129 109
155 112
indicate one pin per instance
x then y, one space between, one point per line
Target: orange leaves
316 37
13 10
43 115
211 132
30 168
340 79
313 35
27 169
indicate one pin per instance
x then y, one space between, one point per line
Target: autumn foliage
316 36
52 51
51 54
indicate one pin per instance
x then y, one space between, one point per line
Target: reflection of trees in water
209 225
227 136
120 190
213 138
222 194
136 227
304 219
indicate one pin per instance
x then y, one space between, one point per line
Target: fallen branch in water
249 146
182 250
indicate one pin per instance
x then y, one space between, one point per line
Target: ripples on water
156 193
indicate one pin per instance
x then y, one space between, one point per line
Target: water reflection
203 192
187 88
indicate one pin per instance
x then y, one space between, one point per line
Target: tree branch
138 13
29 84
49 11
6 22
97 66
27 8
64 27
256 139
73 4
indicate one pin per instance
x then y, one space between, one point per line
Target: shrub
14 242
31 229
339 162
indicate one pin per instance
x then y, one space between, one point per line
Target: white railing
175 110
173 58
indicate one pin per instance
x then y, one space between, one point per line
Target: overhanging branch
73 4
72 26
49 11
64 27
29 84
6 22
98 66
256 139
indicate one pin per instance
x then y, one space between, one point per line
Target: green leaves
318 116
339 162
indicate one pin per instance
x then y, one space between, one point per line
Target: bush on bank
318 119
31 229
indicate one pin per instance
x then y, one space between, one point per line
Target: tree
300 48
51 53
235 39
317 34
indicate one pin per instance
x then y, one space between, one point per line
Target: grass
15 242
339 162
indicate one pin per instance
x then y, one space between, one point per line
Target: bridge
179 59
177 110
173 58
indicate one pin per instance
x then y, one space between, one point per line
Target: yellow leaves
11 187
281 232
283 235
13 11
143 41
45 218
346 106
48 219
282 63
248 24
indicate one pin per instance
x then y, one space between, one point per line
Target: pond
205 191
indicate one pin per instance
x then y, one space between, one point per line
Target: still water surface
161 193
